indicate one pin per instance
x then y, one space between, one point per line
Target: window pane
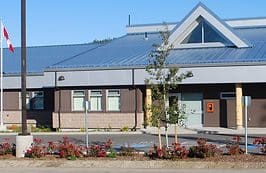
96 100
113 100
195 36
113 93
96 93
96 103
211 35
78 100
113 104
37 100
78 93
78 104
37 103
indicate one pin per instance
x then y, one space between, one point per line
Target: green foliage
176 112
41 128
124 129
112 154
163 78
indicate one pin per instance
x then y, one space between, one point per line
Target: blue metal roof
38 58
129 50
133 50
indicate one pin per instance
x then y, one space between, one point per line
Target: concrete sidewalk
154 130
78 133
205 130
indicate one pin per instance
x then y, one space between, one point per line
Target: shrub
36 150
96 151
124 129
7 148
108 145
157 153
112 154
41 128
261 142
203 150
68 150
14 128
100 150
52 148
179 151
234 147
175 151
127 151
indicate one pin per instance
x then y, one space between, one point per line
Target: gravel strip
155 164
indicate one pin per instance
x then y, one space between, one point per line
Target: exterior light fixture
61 78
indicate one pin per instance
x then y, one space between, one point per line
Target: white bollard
22 144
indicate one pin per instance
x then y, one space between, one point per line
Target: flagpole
1 76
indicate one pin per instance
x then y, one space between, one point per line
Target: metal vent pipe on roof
145 36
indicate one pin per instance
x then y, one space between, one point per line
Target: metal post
59 110
23 67
246 124
86 122
1 37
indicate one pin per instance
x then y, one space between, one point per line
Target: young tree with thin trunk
163 78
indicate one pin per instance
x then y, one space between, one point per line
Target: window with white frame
113 100
204 33
78 100
96 100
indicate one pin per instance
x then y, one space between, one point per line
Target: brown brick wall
11 100
97 120
40 117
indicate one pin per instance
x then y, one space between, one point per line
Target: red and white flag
5 34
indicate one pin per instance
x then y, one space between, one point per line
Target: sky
60 22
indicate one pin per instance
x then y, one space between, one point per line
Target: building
227 58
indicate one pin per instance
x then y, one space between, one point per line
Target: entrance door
193 109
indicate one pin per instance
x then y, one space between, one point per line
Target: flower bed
68 150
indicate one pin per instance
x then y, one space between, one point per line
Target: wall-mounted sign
210 107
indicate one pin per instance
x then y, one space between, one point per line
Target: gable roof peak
190 22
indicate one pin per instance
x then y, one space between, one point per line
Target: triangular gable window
204 33
201 28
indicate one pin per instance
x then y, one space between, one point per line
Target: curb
153 164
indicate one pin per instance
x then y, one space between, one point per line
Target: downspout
136 100
59 102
